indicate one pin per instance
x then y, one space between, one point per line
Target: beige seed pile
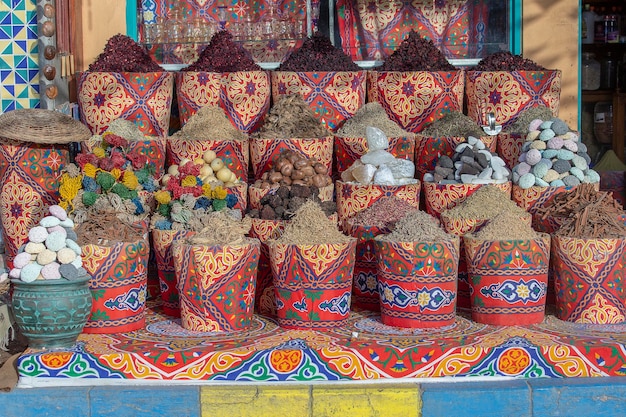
485 203
310 226
210 122
453 124
506 226
417 226
222 229
371 114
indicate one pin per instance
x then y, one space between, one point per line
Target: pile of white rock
472 163
51 251
378 166
553 156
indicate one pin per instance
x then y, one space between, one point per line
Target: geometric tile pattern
19 67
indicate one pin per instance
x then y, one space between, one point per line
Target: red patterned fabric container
348 150
264 151
313 284
507 94
143 98
119 277
244 95
442 197
256 194
333 96
588 279
429 149
365 278
216 285
415 98
509 147
353 198
417 282
234 153
531 199
162 241
153 148
265 300
508 280
28 174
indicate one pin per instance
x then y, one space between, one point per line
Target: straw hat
41 126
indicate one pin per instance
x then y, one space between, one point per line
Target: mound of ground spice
371 114
317 53
506 226
105 230
453 124
210 122
506 61
311 226
222 229
384 213
223 54
485 203
584 212
522 122
291 117
416 54
416 226
123 54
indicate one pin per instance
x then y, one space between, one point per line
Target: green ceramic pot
51 313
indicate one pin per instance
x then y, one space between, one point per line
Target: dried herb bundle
291 117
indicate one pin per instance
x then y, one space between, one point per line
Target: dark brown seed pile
282 203
123 54
222 54
417 54
317 53
506 61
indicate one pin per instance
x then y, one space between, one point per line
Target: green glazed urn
51 313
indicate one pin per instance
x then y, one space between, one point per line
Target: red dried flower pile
417 54
222 54
506 61
317 53
123 54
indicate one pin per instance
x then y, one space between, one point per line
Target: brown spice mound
485 203
291 117
123 54
451 125
506 226
371 114
520 126
585 213
384 213
106 230
417 226
310 226
210 122
222 54
222 229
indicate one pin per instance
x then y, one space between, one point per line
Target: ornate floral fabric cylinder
162 241
508 280
244 95
414 98
216 284
118 284
507 94
265 151
143 98
588 279
313 284
442 197
417 282
348 150
28 174
428 150
353 198
234 153
509 147
333 96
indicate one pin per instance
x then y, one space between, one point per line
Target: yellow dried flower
117 173
90 170
206 190
219 193
163 197
189 181
99 152
130 180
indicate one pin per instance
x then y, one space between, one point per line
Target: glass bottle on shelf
588 24
590 72
608 77
175 25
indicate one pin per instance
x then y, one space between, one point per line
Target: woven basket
42 126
